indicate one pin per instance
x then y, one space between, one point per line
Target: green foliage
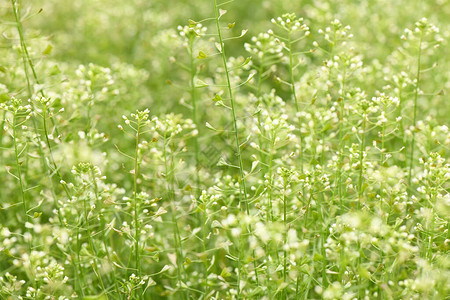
272 150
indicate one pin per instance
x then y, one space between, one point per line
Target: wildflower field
224 149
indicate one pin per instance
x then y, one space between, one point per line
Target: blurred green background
139 32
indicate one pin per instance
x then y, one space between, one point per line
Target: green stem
383 132
242 183
262 156
233 110
416 95
285 236
361 162
19 171
269 216
136 204
176 231
2 125
91 243
194 114
193 72
33 71
294 96
341 142
205 277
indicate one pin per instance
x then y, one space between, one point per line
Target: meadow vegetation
224 150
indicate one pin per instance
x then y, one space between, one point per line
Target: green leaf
200 83
225 273
209 126
7 252
48 50
192 23
363 272
247 60
202 55
187 262
200 208
326 128
55 70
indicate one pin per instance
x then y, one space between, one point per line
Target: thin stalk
77 267
91 244
242 183
294 96
401 125
383 133
176 230
2 125
269 216
432 229
137 229
341 142
262 156
416 95
205 277
22 41
103 225
19 171
27 58
361 161
50 149
285 236
193 72
291 72
233 110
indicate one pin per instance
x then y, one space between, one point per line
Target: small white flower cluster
385 104
335 34
9 284
193 30
423 28
171 125
264 44
16 107
435 173
141 119
291 23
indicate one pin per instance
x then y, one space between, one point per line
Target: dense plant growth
247 153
